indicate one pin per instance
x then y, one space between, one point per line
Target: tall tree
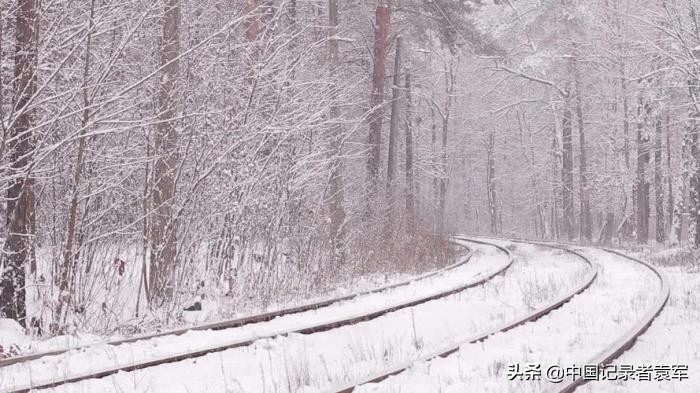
163 225
585 206
450 79
669 174
376 116
337 210
18 253
252 29
642 184
567 173
491 182
394 121
658 184
69 262
410 204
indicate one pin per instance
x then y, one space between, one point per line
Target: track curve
449 350
627 340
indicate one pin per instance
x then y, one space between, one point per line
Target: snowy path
99 357
572 334
310 363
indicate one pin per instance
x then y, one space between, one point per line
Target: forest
247 152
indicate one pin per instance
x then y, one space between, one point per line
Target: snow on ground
112 301
310 363
572 334
100 356
212 310
12 337
672 339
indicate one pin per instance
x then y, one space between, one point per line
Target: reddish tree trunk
163 242
252 28
18 250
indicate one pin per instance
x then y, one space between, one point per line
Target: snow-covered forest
172 162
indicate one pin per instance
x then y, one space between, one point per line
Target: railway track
606 356
313 328
238 322
454 347
627 340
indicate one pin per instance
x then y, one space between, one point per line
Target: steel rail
627 340
454 347
310 329
242 321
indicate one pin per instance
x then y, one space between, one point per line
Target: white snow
572 334
12 337
623 292
99 357
672 339
310 363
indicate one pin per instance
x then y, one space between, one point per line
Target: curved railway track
175 357
606 356
452 348
627 340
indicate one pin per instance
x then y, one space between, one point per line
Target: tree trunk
491 182
556 186
606 232
393 131
376 116
625 114
585 208
659 186
18 251
435 196
163 242
642 185
68 268
449 91
626 148
694 128
694 189
2 84
681 205
669 174
394 122
252 28
337 210
410 208
567 175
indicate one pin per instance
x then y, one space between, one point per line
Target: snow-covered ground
673 338
101 356
572 334
21 344
311 363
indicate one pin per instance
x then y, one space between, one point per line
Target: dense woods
248 151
